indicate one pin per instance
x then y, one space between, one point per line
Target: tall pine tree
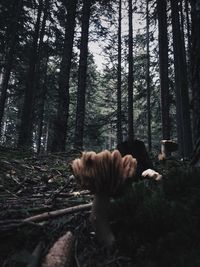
60 127
130 71
182 97
82 75
163 64
26 127
119 78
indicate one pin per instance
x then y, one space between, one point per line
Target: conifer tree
163 64
61 121
26 127
119 79
182 97
130 71
82 75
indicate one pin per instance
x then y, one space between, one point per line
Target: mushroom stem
100 219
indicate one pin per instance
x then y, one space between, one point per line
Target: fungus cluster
104 174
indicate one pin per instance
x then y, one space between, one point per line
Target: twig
12 194
62 195
15 180
36 255
55 195
53 214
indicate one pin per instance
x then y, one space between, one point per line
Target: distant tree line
53 97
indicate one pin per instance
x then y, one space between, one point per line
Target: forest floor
155 224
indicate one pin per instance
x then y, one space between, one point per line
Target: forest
78 78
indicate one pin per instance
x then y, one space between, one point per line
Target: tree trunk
182 23
130 72
82 74
163 64
189 46
148 82
42 107
60 127
182 97
119 78
195 68
9 56
182 19
43 91
188 23
26 127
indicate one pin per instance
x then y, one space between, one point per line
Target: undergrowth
157 224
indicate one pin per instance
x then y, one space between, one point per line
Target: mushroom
104 174
152 174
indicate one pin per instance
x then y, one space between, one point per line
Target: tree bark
148 81
43 91
188 23
182 97
163 64
42 107
82 74
119 78
195 68
130 72
60 127
182 23
26 127
189 44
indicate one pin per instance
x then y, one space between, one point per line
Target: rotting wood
53 214
56 194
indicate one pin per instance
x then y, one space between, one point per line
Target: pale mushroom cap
152 174
129 166
103 172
